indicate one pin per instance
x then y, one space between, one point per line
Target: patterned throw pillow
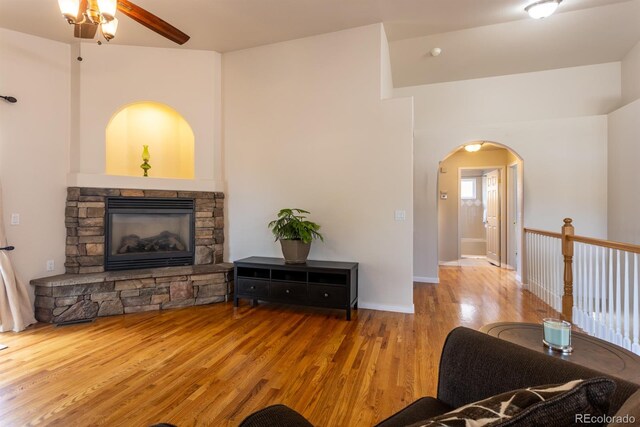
548 405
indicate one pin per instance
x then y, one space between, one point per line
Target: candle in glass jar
557 332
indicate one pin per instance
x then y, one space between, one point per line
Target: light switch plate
15 219
400 215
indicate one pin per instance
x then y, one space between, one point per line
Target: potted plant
295 233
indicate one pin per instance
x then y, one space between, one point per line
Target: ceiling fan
87 15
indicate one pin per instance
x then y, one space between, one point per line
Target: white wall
34 149
553 119
631 75
386 76
623 153
624 180
111 76
567 92
305 127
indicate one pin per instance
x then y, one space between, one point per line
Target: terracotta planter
295 251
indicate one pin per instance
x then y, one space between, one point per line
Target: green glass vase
145 160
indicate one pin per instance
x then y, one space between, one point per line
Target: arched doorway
480 206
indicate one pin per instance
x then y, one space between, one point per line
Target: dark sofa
474 366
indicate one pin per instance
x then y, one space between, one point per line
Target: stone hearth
75 297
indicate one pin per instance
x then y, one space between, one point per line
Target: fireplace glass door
144 233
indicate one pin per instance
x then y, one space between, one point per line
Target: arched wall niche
169 137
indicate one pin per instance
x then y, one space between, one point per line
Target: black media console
315 283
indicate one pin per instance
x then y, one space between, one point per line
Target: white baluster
534 262
525 260
635 347
596 292
603 293
532 271
626 342
543 267
610 297
590 323
575 311
618 312
557 297
560 274
541 271
585 289
577 284
540 267
547 294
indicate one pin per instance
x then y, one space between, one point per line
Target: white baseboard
384 307
421 279
518 278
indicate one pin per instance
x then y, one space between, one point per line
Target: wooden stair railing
600 286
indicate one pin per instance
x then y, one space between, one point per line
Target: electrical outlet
51 265
15 218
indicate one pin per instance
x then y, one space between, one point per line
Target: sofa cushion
275 416
421 409
549 405
629 413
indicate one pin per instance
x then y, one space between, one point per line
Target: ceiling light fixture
472 148
97 12
542 9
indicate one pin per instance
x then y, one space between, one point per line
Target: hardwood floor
214 365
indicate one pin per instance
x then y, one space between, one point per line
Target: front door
493 217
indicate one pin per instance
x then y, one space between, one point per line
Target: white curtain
16 311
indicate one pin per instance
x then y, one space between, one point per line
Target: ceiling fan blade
87 30
152 22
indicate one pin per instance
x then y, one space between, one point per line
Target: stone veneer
85 216
76 297
86 291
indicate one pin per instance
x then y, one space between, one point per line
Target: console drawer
330 296
289 291
252 287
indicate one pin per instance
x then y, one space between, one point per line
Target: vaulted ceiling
478 37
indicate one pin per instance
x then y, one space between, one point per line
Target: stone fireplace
185 249
85 222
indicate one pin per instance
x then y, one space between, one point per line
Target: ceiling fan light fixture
87 15
109 29
69 9
542 9
472 148
108 9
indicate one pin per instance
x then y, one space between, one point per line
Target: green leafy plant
293 225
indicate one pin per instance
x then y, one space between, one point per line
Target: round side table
588 351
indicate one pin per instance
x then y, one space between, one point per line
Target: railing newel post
568 231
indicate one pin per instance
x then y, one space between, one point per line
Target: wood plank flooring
214 365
